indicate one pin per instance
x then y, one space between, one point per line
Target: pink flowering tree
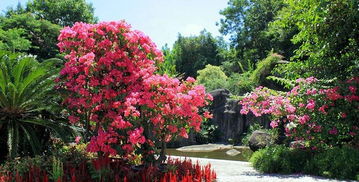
111 89
312 112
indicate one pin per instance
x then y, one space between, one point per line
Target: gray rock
233 152
259 140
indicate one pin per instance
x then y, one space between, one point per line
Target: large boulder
259 140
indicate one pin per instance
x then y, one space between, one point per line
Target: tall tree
195 52
328 36
13 40
41 33
246 21
61 12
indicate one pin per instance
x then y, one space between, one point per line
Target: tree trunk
162 158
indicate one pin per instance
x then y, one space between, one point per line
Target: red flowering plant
111 89
314 113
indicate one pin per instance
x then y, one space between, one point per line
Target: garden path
239 171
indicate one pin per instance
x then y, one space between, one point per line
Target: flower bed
111 169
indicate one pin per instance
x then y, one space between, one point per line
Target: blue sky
162 20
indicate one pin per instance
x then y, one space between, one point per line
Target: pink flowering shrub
111 89
316 114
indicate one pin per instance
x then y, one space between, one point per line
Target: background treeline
271 42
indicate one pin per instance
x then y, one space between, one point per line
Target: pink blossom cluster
109 81
264 101
313 112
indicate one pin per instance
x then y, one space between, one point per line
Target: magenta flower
304 119
311 104
333 131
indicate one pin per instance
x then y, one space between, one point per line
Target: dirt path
238 171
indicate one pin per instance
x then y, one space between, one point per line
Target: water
217 154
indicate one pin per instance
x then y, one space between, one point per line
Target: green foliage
60 12
264 68
240 84
286 83
168 66
41 33
280 159
193 53
212 77
209 133
341 163
57 169
12 40
246 21
26 101
327 38
22 165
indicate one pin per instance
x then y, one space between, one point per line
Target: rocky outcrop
231 124
226 115
259 140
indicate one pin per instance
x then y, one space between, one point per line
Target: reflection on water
218 154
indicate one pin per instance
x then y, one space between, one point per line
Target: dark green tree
328 38
41 33
195 52
168 66
13 40
60 12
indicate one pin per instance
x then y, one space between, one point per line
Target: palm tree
26 101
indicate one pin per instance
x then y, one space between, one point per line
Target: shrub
240 84
313 112
264 68
212 77
111 89
280 159
342 163
27 103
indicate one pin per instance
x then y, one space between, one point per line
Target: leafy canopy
193 53
327 37
60 12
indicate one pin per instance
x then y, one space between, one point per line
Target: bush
280 159
27 104
110 87
319 114
341 163
240 84
212 77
